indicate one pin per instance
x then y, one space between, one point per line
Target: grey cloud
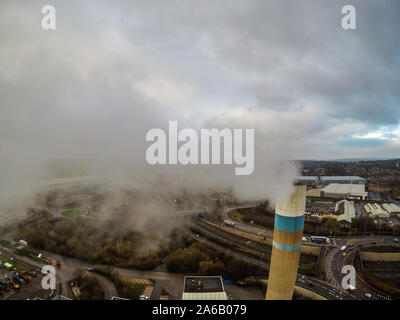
114 69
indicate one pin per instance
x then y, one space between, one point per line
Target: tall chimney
288 233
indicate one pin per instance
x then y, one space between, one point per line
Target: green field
14 263
70 213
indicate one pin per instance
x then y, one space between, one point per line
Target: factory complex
343 198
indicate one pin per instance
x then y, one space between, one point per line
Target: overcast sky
115 69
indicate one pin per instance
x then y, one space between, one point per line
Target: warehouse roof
375 210
349 211
344 188
324 179
391 207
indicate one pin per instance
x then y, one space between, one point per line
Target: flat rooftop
203 288
203 284
344 188
330 178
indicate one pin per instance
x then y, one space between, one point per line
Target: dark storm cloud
285 55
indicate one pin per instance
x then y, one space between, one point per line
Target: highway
335 261
332 264
323 288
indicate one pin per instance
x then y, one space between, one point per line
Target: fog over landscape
113 70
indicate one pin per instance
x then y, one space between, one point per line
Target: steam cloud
90 90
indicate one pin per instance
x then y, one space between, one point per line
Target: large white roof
344 188
391 207
376 210
349 211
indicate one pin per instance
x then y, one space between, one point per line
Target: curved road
333 262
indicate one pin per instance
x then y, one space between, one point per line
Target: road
333 262
323 288
245 226
313 284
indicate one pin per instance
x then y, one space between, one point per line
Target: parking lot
19 281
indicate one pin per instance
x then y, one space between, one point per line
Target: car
351 288
310 284
143 297
344 254
396 240
241 283
368 295
31 273
25 277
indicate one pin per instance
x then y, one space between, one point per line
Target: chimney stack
288 234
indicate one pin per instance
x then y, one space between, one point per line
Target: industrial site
110 239
188 158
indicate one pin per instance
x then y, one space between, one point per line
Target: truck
9 266
25 277
317 239
18 279
13 283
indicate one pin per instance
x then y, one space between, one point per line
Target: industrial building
286 244
344 191
203 288
325 180
347 210
376 211
391 208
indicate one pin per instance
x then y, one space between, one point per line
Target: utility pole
365 226
380 224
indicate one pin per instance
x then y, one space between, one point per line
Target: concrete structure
344 191
288 233
203 288
331 179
